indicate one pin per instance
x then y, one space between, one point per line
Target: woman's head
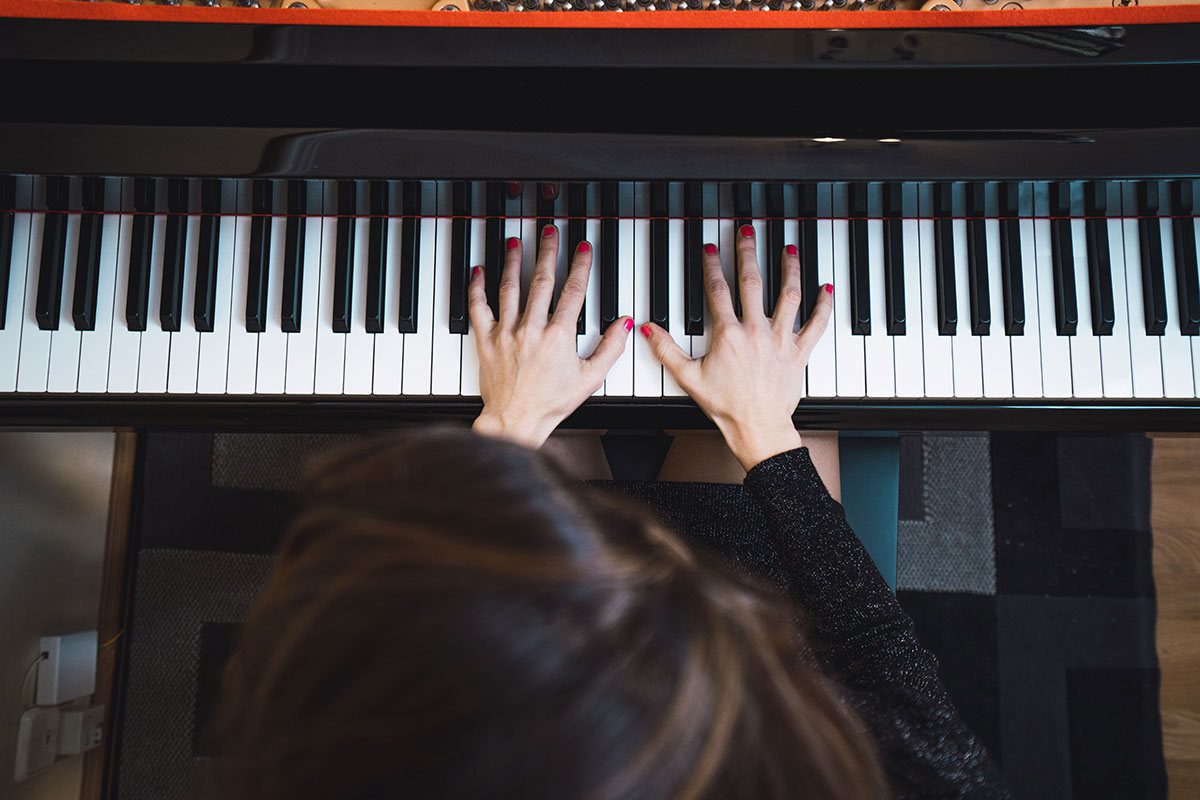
451 617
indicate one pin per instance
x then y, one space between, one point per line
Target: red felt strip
708 20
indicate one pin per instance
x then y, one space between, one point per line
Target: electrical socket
37 741
80 730
69 669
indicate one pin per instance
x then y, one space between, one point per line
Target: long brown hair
453 617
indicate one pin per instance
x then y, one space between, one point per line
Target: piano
242 217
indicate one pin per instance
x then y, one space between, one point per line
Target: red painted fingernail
711 249
475 271
629 324
645 329
584 247
513 242
791 250
747 231
514 189
829 288
547 231
549 191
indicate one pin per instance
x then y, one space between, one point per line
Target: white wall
53 508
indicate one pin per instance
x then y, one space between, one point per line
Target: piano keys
335 288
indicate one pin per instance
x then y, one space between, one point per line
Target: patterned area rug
1023 558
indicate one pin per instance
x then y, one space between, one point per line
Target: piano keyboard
960 291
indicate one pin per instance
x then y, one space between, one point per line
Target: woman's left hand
530 375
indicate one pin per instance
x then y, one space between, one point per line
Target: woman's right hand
752 377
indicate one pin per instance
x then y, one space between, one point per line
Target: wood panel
1175 518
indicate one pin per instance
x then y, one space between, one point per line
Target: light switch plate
37 741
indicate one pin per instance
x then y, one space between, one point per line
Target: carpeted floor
1023 558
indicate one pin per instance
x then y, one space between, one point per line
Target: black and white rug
1023 558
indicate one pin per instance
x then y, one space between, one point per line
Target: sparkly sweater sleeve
865 640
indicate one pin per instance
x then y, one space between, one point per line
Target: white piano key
447 346
966 347
758 219
791 235
1027 348
243 345
711 234
910 368
996 346
183 367
877 346
727 245
469 379
1145 352
647 371
591 317
1115 366
851 360
619 382
1176 349
331 345
63 375
213 371
389 343
822 363
125 344
302 345
938 349
14 314
1086 378
156 343
34 365
1056 350
418 346
273 341
94 349
531 237
675 283
360 344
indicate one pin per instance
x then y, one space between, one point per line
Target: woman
453 617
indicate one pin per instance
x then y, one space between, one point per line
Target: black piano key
609 250
693 254
87 261
1154 290
410 255
893 257
343 256
977 261
773 274
140 250
807 195
493 247
260 256
377 237
743 214
547 195
1187 280
1062 256
54 236
577 212
204 311
1010 259
943 250
659 303
860 281
460 249
8 202
293 256
1099 266
170 311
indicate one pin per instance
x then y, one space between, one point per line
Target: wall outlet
37 741
80 730
69 669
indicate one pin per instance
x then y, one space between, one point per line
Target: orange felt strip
716 20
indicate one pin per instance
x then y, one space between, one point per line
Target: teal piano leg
870 469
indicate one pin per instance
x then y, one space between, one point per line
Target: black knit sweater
864 639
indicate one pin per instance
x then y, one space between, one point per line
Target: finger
541 284
677 363
720 299
477 306
611 345
789 293
510 284
749 278
574 291
810 334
